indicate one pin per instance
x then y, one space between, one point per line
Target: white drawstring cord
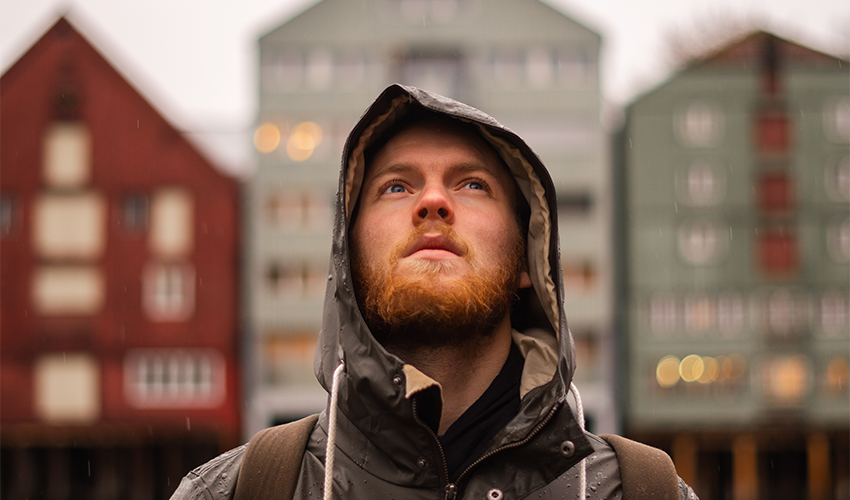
329 452
582 467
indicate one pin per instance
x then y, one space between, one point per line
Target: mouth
434 247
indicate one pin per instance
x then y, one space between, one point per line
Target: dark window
136 212
7 215
777 251
576 203
772 133
775 192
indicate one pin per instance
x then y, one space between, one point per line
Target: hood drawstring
331 445
582 467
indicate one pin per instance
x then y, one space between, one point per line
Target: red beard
427 308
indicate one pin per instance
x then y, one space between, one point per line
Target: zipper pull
451 491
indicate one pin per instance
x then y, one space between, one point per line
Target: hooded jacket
382 447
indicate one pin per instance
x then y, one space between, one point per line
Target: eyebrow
404 167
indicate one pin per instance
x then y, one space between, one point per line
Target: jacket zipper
452 488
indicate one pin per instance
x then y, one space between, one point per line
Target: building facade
734 178
118 285
519 60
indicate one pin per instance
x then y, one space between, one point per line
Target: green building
519 60
733 248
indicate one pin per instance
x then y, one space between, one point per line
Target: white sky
196 59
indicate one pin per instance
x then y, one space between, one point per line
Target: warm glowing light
786 378
711 370
303 140
266 138
837 375
691 368
667 371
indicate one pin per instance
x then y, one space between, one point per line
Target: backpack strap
646 473
272 462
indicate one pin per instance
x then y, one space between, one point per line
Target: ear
524 280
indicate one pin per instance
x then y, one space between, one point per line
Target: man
443 324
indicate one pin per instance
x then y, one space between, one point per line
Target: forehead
434 141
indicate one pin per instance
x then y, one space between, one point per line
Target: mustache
446 231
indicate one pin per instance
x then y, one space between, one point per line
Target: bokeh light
667 371
691 368
267 138
303 140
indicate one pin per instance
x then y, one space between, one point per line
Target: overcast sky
196 59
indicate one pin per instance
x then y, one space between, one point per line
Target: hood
372 375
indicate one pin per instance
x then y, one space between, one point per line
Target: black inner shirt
469 436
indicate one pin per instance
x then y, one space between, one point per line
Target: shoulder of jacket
221 471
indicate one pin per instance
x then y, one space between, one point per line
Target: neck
464 371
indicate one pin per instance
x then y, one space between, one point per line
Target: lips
430 243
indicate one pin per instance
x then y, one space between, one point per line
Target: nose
434 204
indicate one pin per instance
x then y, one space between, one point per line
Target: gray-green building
733 183
528 65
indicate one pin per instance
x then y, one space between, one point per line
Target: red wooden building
118 285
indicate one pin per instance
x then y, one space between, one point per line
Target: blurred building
735 249
118 285
521 61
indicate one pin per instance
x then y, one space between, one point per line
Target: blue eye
475 185
395 188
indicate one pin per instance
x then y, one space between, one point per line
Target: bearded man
444 345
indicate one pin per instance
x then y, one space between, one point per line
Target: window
319 68
785 314
68 290
702 184
169 291
836 118
700 314
773 133
700 124
776 251
67 388
834 314
295 281
7 215
575 204
438 72
69 226
838 240
730 312
508 68
663 314
837 376
837 179
304 210
540 67
174 378
579 276
572 67
775 191
135 213
350 69
284 73
172 223
289 359
785 379
67 155
702 242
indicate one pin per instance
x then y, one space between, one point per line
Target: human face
426 178
436 237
